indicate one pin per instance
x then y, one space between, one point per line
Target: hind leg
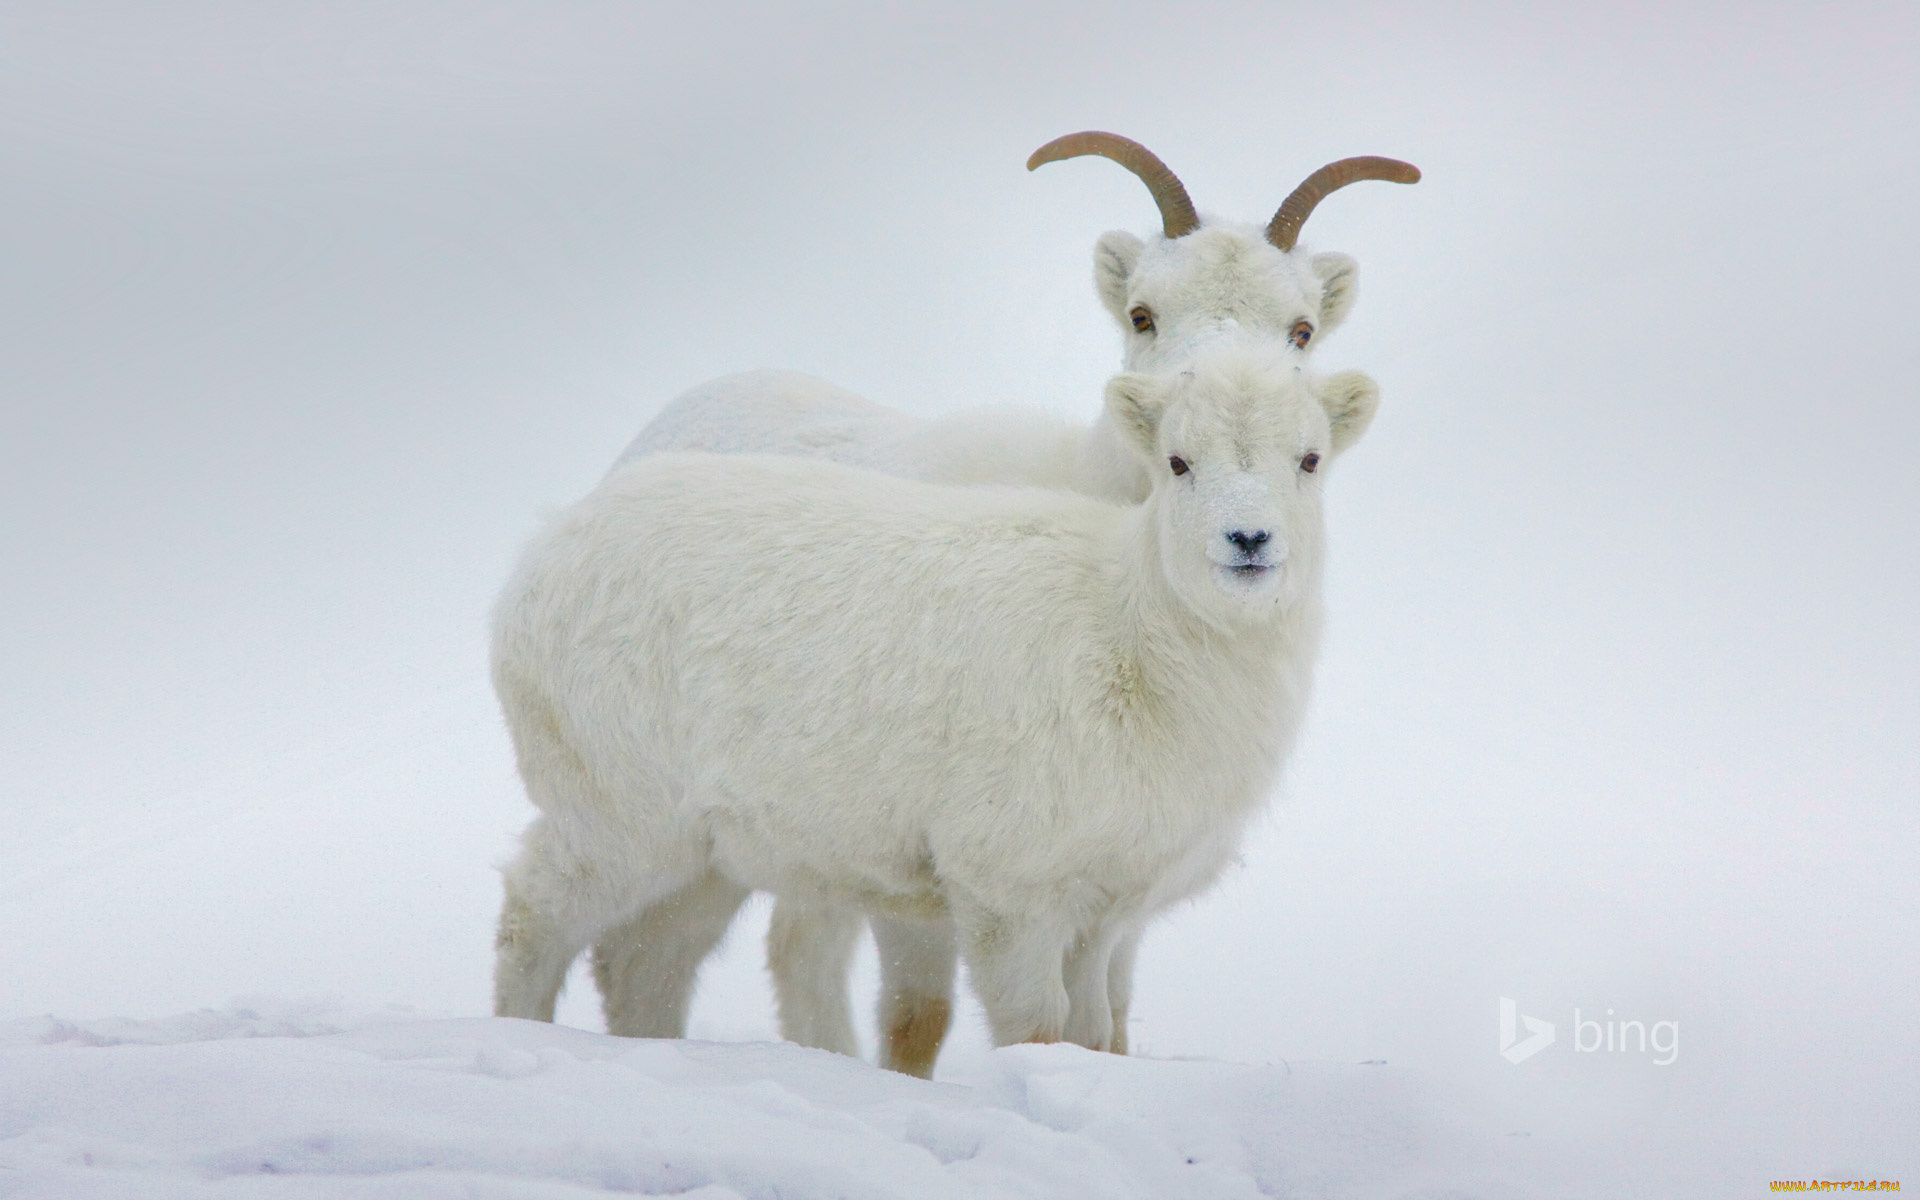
916 991
646 967
556 902
810 947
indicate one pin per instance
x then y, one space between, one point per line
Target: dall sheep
1172 295
1029 717
1197 282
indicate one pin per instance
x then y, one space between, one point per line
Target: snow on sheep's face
1236 447
1174 297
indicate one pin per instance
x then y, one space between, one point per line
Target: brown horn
1284 229
1177 217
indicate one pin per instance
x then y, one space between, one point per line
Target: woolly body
894 753
1041 715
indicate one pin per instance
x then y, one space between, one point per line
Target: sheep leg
916 991
1015 961
1120 987
810 945
555 904
647 966
530 962
1090 1020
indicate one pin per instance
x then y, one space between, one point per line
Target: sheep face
1238 447
1174 295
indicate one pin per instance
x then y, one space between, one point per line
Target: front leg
1090 1022
1120 986
1015 961
916 991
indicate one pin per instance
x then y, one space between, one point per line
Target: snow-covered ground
316 1101
307 310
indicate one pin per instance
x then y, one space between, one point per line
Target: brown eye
1308 463
1142 319
1178 464
1300 335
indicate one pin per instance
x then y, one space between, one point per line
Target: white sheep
1194 284
1190 285
1028 716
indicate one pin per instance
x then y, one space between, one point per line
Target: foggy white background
306 313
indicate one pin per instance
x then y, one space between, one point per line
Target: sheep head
1200 278
1238 446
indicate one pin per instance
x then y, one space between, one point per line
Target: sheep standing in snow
1033 716
1171 295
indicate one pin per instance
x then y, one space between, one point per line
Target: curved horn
1284 229
1177 217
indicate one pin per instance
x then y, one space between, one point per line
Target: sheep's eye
1142 319
1308 463
1301 333
1178 464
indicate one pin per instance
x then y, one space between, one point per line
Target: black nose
1248 542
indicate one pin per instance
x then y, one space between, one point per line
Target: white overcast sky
307 311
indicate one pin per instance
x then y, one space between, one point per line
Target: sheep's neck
1164 649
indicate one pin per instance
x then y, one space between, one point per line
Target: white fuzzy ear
1339 288
1114 257
1135 402
1350 398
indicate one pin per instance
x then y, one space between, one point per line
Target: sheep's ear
1114 257
1339 288
1135 402
1350 398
